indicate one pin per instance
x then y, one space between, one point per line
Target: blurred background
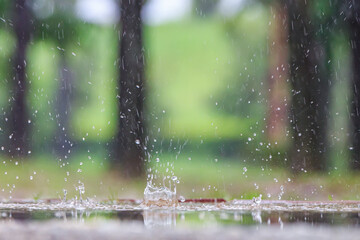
236 98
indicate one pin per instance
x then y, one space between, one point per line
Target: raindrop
182 199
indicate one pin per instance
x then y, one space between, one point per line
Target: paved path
108 230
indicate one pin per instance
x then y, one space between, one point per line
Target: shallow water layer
198 219
193 214
159 218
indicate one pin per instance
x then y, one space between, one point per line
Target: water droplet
182 199
257 200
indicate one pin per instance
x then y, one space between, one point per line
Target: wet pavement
115 230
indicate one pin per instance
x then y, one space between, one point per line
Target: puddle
156 218
190 214
129 219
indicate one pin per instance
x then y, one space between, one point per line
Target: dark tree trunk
18 144
354 30
130 137
309 77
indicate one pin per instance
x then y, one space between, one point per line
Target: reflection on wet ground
234 214
191 220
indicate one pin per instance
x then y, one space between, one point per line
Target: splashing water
81 190
65 193
160 196
257 200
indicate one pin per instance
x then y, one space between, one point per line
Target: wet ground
190 220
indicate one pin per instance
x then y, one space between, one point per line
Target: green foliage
204 8
324 11
5 6
113 195
43 81
186 65
93 60
245 95
189 65
246 82
7 46
37 196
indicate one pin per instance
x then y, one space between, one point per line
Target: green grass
45 177
226 178
200 177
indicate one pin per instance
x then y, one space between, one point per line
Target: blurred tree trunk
130 137
309 77
354 30
278 75
18 144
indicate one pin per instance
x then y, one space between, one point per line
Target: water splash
257 200
160 196
65 194
81 189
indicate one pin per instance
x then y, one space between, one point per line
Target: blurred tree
57 23
18 144
243 95
65 34
278 74
309 28
63 109
129 141
5 5
353 19
205 8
